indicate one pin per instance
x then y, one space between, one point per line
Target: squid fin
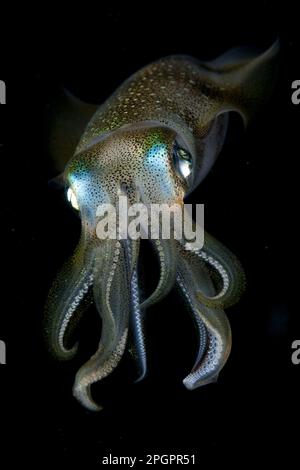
67 118
244 79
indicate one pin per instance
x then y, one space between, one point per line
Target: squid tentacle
112 300
99 366
136 314
226 264
166 251
137 325
214 359
201 329
67 297
214 350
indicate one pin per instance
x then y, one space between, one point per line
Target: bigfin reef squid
154 140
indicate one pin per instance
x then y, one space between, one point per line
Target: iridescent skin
127 148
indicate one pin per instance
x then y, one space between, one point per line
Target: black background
251 203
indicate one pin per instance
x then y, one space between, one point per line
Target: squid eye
183 161
72 199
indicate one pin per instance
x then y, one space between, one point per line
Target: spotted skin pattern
171 112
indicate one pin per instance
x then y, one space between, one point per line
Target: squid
154 140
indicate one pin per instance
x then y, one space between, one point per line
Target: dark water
251 202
